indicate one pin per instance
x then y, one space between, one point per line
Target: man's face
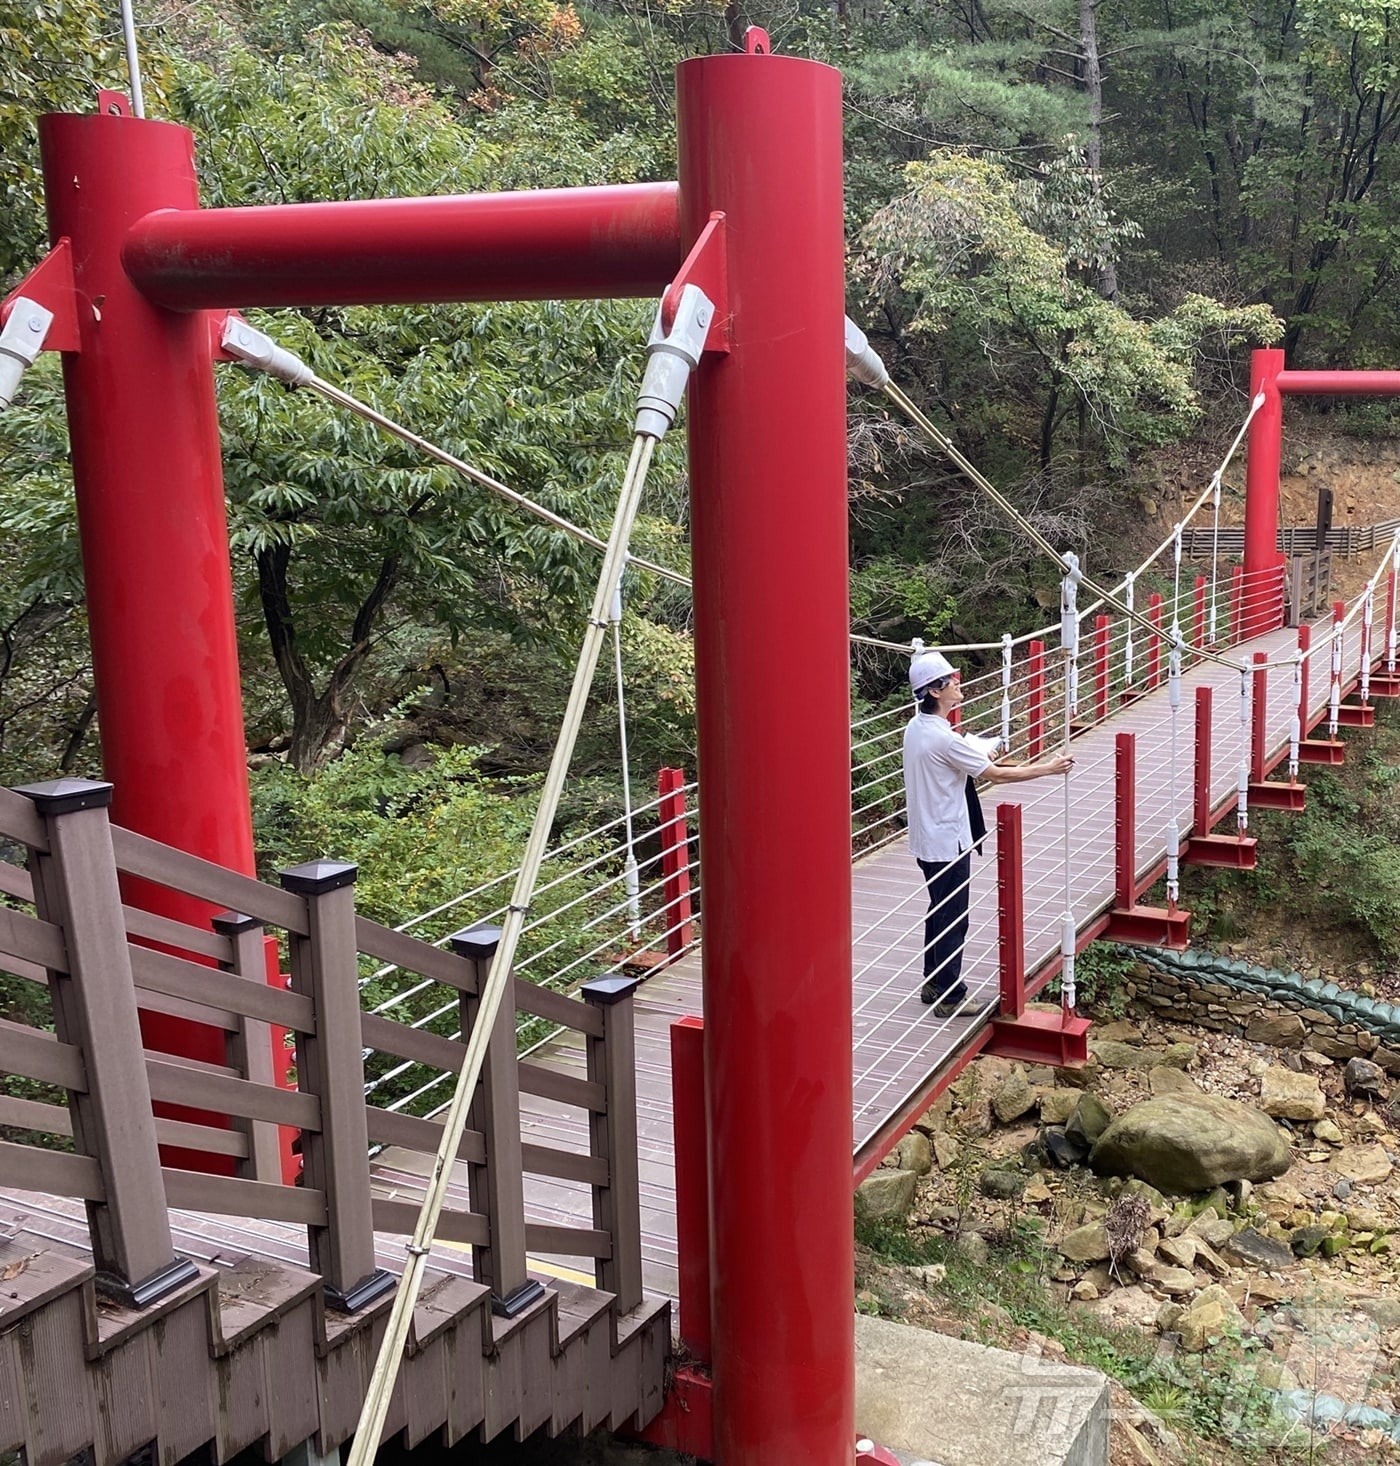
949 692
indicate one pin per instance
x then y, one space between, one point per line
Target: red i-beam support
1232 852
1151 926
760 139
1266 793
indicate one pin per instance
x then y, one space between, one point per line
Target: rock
1157 1208
1115 1055
1209 1260
1083 1291
1014 1097
1089 1120
1057 1105
914 1153
1383 1312
1085 1244
1364 1164
1178 1251
1214 1231
1121 1030
1364 1080
1315 1060
1141 1263
886 1194
1177 1281
1263 1291
1327 1131
1037 1192
1306 1241
1177 1056
935 1118
1273 1374
1342 1189
931 1274
974 1120
1183 1143
1000 1184
1363 1219
1334 1244
1210 1316
973 1246
945 1151
1256 1250
1278 1030
1163 1080
1063 1150
1284 1095
1167 1315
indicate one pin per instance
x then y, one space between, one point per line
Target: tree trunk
320 720
1093 150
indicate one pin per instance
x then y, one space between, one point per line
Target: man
939 766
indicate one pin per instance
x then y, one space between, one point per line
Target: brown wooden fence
103 962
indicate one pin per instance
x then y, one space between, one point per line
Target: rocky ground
1294 1277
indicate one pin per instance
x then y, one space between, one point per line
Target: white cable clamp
671 357
1174 657
20 344
862 360
1069 604
255 349
1242 790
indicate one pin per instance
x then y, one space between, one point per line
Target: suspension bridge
564 1145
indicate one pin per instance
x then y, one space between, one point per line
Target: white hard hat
926 667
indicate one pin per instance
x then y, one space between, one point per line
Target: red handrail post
1035 699
692 1185
1200 819
675 861
1011 924
1101 629
1154 641
1198 634
1125 819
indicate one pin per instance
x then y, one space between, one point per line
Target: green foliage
1100 972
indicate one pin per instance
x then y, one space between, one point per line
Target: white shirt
937 763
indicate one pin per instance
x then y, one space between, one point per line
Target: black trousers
945 926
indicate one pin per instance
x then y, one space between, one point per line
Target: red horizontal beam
549 244
1339 384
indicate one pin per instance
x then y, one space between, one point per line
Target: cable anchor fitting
256 349
671 357
20 344
862 360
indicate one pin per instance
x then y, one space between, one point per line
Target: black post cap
63 796
603 992
317 877
234 923
479 941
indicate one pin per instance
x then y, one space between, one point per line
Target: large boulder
1182 1143
1289 1096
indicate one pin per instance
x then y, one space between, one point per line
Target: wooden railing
1347 539
1309 586
65 926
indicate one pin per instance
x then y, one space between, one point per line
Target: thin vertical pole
1011 924
760 139
1259 753
1125 818
1101 631
1154 642
1304 671
1261 555
1198 627
1035 699
1236 603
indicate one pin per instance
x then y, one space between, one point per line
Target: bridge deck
899 1046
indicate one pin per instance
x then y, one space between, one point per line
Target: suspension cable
670 361
634 900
